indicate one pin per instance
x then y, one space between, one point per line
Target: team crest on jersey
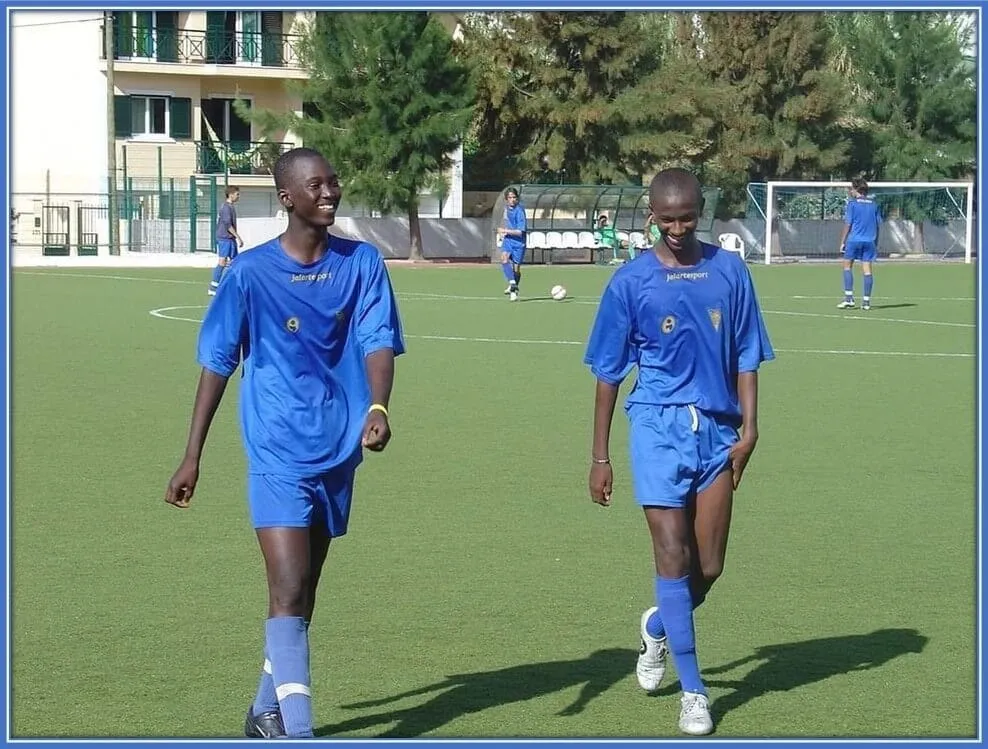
714 318
292 324
668 324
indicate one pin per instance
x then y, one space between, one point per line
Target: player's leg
282 510
331 517
508 271
711 515
711 527
867 279
664 462
224 250
517 258
848 301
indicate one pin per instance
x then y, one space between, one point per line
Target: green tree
582 96
915 89
786 104
388 99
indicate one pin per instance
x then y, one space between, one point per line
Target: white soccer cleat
508 290
513 296
651 666
694 718
846 304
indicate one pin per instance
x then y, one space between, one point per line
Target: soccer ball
558 292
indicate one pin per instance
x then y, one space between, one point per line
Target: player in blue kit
859 241
686 314
512 236
228 240
314 321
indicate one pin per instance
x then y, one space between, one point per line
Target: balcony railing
214 47
238 157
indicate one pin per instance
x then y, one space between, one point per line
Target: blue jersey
691 331
302 332
226 220
514 218
863 216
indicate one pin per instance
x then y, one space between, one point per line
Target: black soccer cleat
264 726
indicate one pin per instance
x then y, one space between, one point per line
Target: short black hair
675 179
511 191
285 165
859 185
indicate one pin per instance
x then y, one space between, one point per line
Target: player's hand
240 242
183 484
739 456
601 483
377 431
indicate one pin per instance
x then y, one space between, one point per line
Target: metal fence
170 216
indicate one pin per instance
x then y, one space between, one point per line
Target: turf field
480 592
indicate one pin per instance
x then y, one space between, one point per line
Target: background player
315 320
227 238
859 241
687 315
512 236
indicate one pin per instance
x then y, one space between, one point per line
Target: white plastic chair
732 243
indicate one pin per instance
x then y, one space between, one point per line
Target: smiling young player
686 314
313 319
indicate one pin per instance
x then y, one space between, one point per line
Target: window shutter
122 122
181 118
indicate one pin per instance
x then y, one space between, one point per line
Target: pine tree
387 101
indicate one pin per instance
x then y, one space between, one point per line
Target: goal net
804 220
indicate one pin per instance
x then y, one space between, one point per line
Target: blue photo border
492 5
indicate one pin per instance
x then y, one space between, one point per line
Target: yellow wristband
378 407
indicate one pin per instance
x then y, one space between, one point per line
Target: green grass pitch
480 592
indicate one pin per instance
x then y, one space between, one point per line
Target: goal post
921 219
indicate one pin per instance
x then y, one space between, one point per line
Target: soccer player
227 238
859 241
314 320
686 314
512 237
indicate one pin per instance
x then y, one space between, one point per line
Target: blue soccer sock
869 284
217 275
509 273
849 283
653 625
266 700
288 647
676 605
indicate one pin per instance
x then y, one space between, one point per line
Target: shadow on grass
463 694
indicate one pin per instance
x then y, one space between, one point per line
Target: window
149 115
153 115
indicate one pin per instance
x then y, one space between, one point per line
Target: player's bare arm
380 378
843 235
745 446
209 393
601 474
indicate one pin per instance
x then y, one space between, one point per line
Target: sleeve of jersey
750 334
610 354
378 321
848 212
224 328
519 221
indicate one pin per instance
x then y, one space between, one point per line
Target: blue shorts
516 254
290 502
863 251
226 248
676 452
